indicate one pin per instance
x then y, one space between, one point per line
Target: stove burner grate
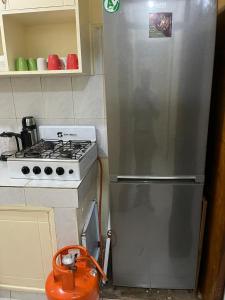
58 150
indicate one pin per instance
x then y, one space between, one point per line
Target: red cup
72 62
54 62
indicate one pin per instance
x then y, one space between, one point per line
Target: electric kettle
28 136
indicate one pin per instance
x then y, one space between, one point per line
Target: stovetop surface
56 150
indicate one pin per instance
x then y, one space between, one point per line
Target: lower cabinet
27 246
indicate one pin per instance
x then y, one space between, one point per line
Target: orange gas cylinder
74 277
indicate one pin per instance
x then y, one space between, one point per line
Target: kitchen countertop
6 181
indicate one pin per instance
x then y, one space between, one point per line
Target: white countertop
6 181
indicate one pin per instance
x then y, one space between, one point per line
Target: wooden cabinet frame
58 30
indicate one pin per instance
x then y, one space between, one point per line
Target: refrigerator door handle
195 179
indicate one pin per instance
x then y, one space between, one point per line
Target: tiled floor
110 293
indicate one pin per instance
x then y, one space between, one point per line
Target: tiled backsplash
54 100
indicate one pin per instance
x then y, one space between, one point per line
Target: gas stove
62 153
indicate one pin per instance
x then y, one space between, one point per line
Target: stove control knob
25 170
48 171
37 170
60 171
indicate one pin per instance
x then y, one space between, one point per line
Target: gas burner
32 154
66 154
48 145
19 154
76 146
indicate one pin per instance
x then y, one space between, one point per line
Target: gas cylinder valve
69 261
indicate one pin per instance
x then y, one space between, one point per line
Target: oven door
90 235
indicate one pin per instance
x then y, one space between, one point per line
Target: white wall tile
50 121
51 197
8 125
6 99
66 227
58 96
12 196
88 96
28 97
4 294
101 129
27 296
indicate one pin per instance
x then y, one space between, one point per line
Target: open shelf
38 34
40 73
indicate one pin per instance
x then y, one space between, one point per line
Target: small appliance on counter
62 153
28 137
29 134
5 155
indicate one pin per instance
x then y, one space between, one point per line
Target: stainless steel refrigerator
158 57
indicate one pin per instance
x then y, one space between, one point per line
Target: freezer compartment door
155 234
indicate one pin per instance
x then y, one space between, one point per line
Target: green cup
21 64
32 64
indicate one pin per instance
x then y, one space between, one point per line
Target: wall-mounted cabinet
33 33
26 36
26 4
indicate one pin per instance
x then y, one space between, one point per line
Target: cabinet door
23 4
26 248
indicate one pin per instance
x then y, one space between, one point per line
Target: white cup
63 62
41 64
